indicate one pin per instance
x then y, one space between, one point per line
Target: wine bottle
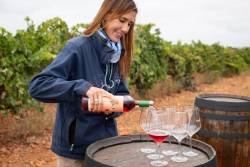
125 104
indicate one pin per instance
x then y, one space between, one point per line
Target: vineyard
25 53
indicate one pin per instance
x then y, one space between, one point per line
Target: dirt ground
34 150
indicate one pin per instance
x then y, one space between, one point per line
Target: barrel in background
226 126
123 151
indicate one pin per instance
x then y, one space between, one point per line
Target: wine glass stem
179 148
158 149
190 142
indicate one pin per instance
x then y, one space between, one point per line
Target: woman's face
116 28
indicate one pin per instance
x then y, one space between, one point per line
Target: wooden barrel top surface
127 154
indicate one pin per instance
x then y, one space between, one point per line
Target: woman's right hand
96 97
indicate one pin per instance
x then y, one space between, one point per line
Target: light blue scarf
116 46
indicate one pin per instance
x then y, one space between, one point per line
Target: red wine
158 135
126 103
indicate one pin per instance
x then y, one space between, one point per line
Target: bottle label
109 105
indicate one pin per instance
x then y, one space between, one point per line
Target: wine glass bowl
171 122
194 126
179 132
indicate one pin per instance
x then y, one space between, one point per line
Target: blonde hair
114 9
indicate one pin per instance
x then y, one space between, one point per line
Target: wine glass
179 133
158 131
171 122
145 126
194 126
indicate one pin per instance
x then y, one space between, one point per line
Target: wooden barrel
226 126
124 151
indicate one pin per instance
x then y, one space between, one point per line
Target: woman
93 65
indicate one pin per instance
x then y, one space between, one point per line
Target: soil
33 150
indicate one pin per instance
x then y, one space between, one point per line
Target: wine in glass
157 121
194 126
179 133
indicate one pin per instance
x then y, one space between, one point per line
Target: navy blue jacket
80 65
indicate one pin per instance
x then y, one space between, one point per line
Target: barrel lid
223 102
91 156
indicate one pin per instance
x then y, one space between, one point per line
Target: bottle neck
144 103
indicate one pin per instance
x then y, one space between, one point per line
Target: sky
211 21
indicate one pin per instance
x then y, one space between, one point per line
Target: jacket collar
104 52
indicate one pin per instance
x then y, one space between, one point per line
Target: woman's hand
96 97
